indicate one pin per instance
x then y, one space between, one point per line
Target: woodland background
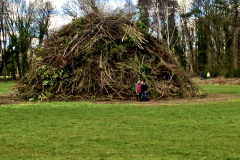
203 35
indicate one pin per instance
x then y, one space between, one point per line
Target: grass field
5 87
228 89
67 130
77 130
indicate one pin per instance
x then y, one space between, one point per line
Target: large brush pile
103 57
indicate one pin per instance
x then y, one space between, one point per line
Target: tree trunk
18 65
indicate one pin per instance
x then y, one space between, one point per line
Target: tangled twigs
100 57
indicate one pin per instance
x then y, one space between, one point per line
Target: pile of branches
103 57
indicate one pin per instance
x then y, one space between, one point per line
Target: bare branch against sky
58 19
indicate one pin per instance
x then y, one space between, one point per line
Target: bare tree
77 8
24 21
163 13
3 37
156 13
129 8
43 12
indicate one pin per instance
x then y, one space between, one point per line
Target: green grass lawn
74 130
228 89
5 87
71 130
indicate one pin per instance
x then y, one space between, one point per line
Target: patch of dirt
165 101
8 99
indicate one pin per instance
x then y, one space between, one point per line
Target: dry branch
103 56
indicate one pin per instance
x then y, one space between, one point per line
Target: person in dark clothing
202 75
144 90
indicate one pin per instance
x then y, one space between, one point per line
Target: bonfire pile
103 57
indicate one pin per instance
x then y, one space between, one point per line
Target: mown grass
67 130
5 87
228 89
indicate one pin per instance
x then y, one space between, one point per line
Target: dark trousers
144 96
139 96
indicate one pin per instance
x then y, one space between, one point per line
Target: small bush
236 72
233 73
215 73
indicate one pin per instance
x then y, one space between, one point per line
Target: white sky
184 1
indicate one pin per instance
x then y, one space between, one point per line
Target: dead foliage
103 57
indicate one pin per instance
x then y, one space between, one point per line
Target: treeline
203 35
20 24
216 36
